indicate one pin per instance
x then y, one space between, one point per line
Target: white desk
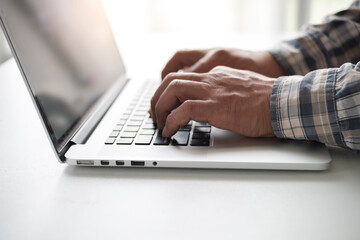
43 199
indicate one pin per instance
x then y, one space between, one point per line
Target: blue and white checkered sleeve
323 106
327 45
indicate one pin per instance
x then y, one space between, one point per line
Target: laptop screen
68 56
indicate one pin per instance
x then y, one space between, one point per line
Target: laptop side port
120 163
85 162
104 162
137 163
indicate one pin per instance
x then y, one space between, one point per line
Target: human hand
236 100
201 61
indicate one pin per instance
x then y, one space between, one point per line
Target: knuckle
218 69
205 77
170 76
174 84
180 53
221 53
234 96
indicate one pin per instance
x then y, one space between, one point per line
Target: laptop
94 115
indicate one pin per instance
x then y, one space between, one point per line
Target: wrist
267 65
267 109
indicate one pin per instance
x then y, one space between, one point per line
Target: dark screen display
68 56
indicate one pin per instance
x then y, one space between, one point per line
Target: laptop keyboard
135 126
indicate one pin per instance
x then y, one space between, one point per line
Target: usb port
85 162
120 163
104 162
137 163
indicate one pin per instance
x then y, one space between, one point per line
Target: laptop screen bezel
62 144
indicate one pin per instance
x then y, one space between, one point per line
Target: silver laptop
95 116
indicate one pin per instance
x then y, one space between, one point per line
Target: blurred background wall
197 16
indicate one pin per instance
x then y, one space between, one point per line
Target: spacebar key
159 140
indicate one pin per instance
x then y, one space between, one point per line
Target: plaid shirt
320 101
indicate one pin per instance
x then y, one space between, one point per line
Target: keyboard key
186 128
142 109
134 123
118 128
128 134
124 141
200 142
201 135
189 123
202 124
114 134
143 140
110 140
144 105
128 111
125 117
147 132
180 138
133 104
150 126
137 118
149 120
140 113
159 140
131 129
202 129
121 122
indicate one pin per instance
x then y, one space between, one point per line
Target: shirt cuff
304 108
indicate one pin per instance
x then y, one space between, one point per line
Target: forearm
322 106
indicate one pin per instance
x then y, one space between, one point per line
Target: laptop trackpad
228 145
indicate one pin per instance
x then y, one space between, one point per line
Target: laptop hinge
100 109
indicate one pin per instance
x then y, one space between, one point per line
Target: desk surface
43 199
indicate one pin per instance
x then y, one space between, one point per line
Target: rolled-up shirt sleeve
323 106
326 45
320 101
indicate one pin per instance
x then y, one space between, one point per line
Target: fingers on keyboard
135 126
